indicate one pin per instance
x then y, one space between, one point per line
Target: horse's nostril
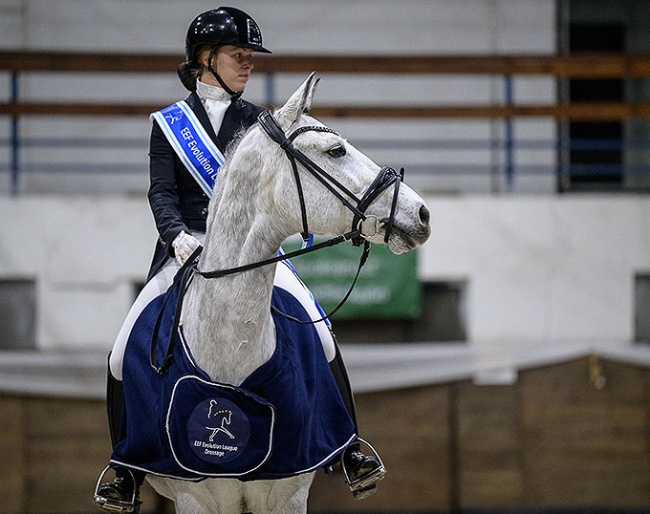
424 215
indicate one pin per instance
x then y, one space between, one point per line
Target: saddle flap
217 429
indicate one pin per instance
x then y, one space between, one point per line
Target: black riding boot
123 494
361 471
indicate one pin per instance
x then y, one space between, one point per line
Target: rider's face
234 66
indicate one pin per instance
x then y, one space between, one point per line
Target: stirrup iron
115 505
367 485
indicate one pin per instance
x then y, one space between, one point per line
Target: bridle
386 177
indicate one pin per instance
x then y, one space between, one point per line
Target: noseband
384 179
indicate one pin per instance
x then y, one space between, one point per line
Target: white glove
184 245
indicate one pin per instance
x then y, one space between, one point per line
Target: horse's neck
227 321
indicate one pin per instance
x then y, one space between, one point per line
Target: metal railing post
508 137
15 135
269 89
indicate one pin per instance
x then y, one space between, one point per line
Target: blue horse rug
287 418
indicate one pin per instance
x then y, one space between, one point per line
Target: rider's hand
184 245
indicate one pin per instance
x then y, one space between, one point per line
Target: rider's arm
163 193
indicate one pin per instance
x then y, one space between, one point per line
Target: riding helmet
223 26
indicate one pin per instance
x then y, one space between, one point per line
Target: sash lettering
191 143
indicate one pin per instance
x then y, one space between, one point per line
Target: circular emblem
218 431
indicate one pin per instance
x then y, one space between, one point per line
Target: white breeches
284 278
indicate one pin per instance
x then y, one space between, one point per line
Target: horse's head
327 186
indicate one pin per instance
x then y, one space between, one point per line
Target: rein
282 257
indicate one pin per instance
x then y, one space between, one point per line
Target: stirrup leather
111 505
365 486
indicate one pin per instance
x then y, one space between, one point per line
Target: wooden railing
582 66
502 67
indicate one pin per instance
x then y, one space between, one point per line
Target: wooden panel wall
51 453
584 446
488 448
409 427
551 440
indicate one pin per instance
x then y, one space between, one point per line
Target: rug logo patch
218 431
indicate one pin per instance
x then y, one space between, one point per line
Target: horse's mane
236 140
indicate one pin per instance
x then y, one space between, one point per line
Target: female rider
219 51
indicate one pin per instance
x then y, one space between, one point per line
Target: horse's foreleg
297 504
187 504
282 496
231 496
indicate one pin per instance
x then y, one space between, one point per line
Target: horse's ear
310 83
298 104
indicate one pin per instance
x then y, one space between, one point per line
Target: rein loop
281 257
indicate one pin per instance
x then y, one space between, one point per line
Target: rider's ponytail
188 74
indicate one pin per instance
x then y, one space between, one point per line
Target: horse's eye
337 151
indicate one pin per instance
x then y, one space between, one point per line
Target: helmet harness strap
211 69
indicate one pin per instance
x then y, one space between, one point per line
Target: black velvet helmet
223 26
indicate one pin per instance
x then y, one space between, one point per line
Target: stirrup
367 485
111 505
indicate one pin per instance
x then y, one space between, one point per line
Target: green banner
387 287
